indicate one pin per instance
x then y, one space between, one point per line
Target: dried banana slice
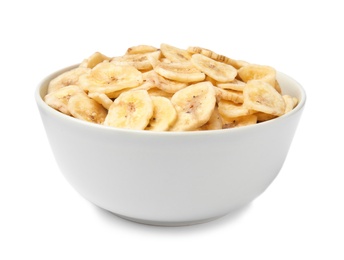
261 96
83 107
107 77
194 105
236 84
164 114
140 60
231 95
93 60
215 121
67 78
174 54
132 110
258 72
230 109
59 98
221 58
141 49
179 71
219 71
101 98
239 121
169 86
290 103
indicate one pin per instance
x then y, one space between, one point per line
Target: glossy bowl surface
170 178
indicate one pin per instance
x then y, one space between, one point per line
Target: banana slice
258 72
194 105
236 84
107 77
164 114
140 60
239 121
179 71
169 86
93 60
85 108
215 121
141 49
230 109
221 58
217 70
132 109
101 98
59 98
67 78
158 92
290 103
261 96
174 54
231 95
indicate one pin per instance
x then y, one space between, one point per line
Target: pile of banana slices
169 89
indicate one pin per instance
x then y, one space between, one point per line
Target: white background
300 216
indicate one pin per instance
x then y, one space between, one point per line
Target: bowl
170 178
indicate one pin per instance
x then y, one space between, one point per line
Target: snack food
169 89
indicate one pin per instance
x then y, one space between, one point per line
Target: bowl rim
54 113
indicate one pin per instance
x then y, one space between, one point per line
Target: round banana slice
170 86
140 60
214 122
194 105
179 71
164 114
258 72
101 98
174 54
132 110
213 55
85 108
261 96
219 71
93 60
67 78
231 95
237 85
107 77
141 49
59 98
230 109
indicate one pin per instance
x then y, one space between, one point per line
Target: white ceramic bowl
170 178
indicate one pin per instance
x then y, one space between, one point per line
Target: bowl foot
167 223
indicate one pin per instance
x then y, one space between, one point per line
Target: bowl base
168 223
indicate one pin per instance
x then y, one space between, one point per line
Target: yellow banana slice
174 54
179 71
214 122
107 77
59 98
169 86
239 121
67 78
164 114
290 103
217 70
194 105
85 108
230 109
231 95
261 96
132 110
140 60
221 58
93 60
101 98
158 92
237 85
258 72
141 49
